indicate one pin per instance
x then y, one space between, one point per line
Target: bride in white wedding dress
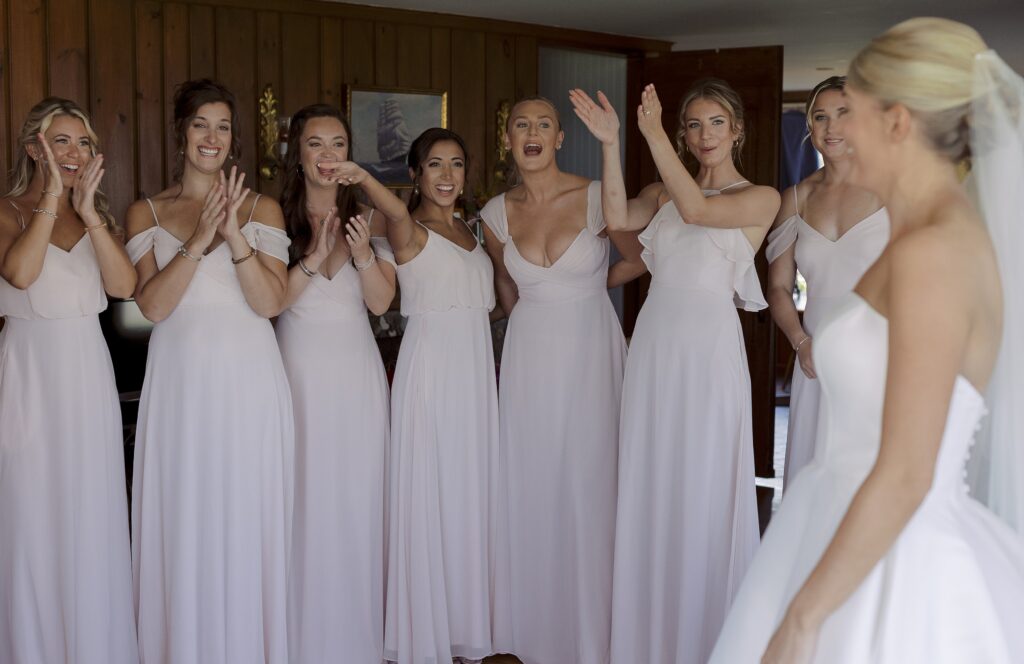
878 553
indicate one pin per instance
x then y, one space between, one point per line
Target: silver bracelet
46 212
305 270
185 253
364 266
796 348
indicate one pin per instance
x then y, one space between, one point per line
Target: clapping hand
235 194
83 193
357 234
325 233
52 180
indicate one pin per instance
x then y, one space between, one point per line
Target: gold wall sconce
497 180
273 135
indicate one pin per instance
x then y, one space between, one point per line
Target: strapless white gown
951 588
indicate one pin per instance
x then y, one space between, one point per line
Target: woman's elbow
150 311
123 289
378 308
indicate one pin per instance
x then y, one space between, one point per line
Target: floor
781 427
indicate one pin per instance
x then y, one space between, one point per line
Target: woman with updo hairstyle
65 566
878 553
212 485
339 395
687 523
444 414
832 232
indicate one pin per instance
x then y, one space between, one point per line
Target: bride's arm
929 324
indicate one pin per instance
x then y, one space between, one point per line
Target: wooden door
756 74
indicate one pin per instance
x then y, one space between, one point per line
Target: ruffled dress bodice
719 260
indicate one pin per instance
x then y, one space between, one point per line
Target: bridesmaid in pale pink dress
444 415
340 397
212 483
687 522
65 567
832 231
561 384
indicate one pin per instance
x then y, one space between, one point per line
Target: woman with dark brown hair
340 397
212 486
687 525
444 415
65 567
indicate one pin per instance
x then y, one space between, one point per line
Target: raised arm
603 123
301 274
264 278
116 268
376 277
781 277
930 313
22 258
401 230
751 207
157 291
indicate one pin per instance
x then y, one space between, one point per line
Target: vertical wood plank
441 59
500 85
358 57
111 101
468 102
300 48
68 49
236 68
526 67
202 42
414 53
8 146
28 58
149 96
176 72
268 72
386 55
330 61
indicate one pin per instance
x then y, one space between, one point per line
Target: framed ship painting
385 121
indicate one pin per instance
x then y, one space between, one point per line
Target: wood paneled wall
121 59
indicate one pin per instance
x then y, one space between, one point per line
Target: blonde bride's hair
927 65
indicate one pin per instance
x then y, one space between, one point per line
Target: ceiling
819 36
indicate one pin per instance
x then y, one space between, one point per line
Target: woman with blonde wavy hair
686 525
878 553
833 231
65 569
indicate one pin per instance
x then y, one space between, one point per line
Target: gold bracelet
244 258
90 229
50 193
796 348
46 212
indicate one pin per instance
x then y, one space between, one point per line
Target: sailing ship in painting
393 142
